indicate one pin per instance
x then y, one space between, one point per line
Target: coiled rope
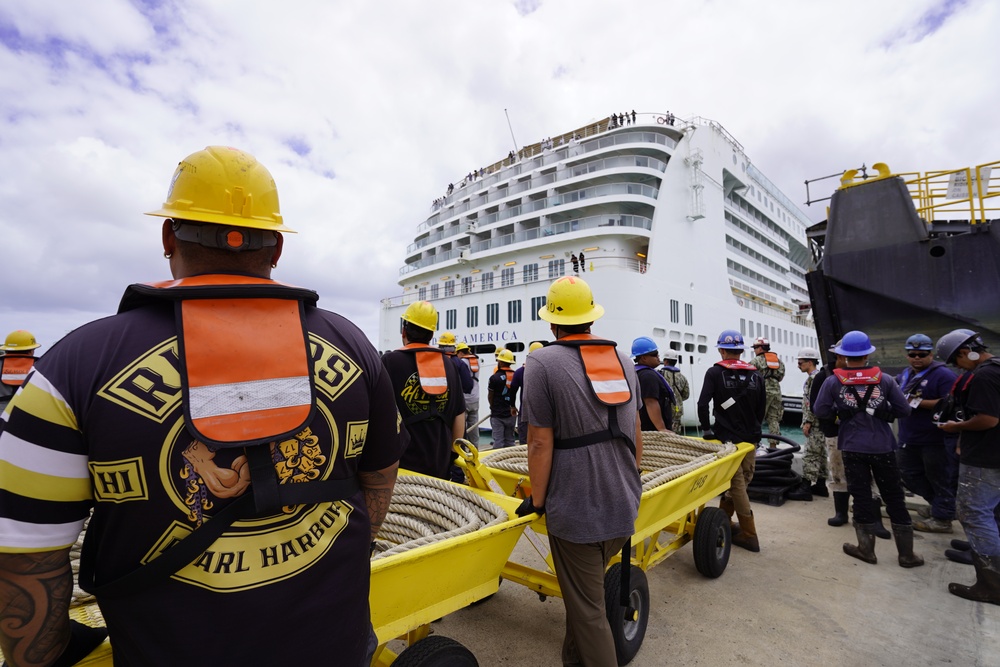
665 456
425 510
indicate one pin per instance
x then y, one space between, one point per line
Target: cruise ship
679 235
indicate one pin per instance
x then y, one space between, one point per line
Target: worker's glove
82 640
527 507
708 434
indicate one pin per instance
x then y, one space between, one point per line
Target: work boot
727 506
932 525
958 556
961 545
840 501
904 545
924 512
880 530
865 549
747 537
800 492
819 488
987 586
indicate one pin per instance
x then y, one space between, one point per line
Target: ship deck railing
540 232
495 282
956 193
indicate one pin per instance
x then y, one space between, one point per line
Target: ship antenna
511 130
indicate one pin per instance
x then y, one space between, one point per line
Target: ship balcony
606 224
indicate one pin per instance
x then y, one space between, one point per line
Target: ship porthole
937 251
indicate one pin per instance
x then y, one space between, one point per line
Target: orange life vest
509 373
856 376
772 360
736 365
430 368
473 362
15 369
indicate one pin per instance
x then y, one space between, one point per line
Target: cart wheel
436 651
628 632
712 542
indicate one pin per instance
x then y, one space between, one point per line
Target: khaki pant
837 480
580 571
738 486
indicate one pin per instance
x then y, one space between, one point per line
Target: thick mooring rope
665 456
425 510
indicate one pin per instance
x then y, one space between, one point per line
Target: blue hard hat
643 345
919 342
854 344
949 344
730 339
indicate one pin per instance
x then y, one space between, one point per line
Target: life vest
772 360
606 377
858 376
852 378
740 373
233 397
508 373
433 378
736 365
15 369
473 361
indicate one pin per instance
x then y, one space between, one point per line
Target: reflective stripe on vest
772 360
854 376
247 375
430 368
15 369
603 367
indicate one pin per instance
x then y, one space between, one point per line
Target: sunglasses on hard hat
918 355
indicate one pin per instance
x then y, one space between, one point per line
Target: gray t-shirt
593 492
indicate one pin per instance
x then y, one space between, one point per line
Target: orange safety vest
473 362
736 365
430 368
772 360
856 376
607 380
509 372
15 369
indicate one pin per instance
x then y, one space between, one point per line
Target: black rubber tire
628 634
712 542
436 651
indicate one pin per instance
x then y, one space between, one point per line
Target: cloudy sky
364 111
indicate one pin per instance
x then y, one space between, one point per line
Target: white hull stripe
240 397
610 386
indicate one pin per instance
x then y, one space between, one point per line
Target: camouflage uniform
772 387
679 385
814 460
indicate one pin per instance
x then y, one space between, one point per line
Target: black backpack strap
613 431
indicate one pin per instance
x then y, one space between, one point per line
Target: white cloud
395 99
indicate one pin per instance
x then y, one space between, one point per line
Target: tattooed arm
35 593
377 486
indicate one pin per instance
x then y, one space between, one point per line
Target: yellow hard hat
535 346
570 301
506 356
423 314
19 341
461 346
446 338
223 186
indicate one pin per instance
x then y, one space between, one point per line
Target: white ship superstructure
682 237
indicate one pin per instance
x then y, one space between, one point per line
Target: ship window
449 288
689 347
434 291
492 314
758 330
450 318
557 268
750 330
675 310
743 326
702 349
507 277
688 314
537 303
466 284
530 273
514 311
472 316
422 294
487 281
675 345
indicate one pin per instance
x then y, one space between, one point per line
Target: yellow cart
411 589
670 516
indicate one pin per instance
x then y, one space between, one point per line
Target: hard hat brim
219 219
592 315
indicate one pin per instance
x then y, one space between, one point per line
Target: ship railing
556 270
948 195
